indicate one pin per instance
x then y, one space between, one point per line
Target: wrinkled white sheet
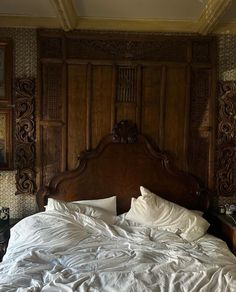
52 251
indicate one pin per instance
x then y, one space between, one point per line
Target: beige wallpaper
25 65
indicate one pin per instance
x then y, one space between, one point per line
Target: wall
25 65
227 57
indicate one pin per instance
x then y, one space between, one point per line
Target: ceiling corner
66 13
211 14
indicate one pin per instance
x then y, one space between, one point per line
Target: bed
113 224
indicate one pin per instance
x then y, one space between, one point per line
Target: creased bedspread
51 251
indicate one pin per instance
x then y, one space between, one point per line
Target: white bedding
52 251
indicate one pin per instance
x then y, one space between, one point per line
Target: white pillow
108 204
152 210
70 207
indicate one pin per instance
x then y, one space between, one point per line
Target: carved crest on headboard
125 132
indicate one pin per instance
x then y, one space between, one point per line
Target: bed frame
122 162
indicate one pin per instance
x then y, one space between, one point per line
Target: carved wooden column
25 136
226 140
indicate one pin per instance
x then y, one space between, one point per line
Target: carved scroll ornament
25 136
125 132
226 139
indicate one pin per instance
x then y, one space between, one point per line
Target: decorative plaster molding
26 21
66 13
225 28
68 19
211 14
136 25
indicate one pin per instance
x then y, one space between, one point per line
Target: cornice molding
225 28
29 22
66 13
136 25
67 19
211 14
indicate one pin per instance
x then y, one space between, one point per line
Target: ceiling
186 16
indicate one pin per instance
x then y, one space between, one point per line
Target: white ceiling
202 16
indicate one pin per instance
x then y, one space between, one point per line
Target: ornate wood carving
125 132
127 49
126 84
25 136
226 139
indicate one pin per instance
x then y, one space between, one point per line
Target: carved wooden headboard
121 163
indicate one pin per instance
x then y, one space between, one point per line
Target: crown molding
212 12
136 25
30 22
66 13
225 28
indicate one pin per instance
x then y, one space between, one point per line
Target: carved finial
125 132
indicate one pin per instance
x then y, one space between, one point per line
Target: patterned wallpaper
227 57
25 65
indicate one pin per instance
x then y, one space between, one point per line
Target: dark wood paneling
199 125
162 83
101 102
77 105
174 113
151 101
52 162
53 120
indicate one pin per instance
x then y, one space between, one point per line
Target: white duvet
52 251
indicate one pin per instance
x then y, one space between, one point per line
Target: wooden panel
199 123
151 103
52 120
52 99
175 113
51 146
126 111
76 112
101 103
131 47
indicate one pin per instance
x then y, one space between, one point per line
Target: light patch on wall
229 75
21 205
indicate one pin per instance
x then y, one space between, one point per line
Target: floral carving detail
125 132
226 139
25 136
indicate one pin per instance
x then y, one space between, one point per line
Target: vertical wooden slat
162 107
212 124
77 113
64 161
138 103
186 119
88 115
113 97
